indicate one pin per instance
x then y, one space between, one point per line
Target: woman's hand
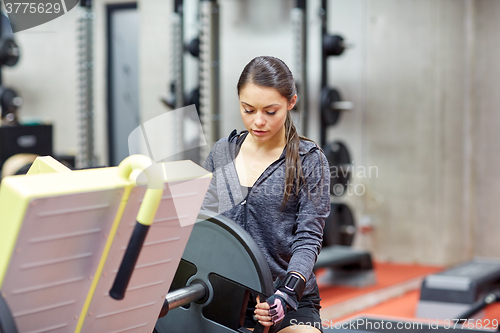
262 313
286 298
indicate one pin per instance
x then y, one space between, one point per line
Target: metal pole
178 70
299 28
177 298
209 74
86 155
1 35
324 31
186 295
324 59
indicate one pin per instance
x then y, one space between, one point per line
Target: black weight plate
9 52
333 45
7 98
340 227
194 98
194 47
329 115
7 324
218 247
184 272
340 167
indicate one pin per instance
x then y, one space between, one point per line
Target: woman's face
263 111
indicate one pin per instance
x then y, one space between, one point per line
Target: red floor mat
406 305
387 274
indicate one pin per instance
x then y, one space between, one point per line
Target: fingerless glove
287 296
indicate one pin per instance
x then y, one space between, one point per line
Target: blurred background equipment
299 35
18 164
184 89
330 102
345 265
176 98
9 56
9 51
341 167
340 227
210 108
16 138
9 103
452 292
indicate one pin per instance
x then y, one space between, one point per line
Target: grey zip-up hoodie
290 238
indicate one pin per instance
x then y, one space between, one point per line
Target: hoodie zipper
245 216
244 202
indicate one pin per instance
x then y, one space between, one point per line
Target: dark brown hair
267 71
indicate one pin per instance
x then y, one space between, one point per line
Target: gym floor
395 294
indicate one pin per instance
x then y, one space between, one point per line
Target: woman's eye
248 111
271 113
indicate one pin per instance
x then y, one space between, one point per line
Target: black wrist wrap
293 286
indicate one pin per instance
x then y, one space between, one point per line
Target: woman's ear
292 102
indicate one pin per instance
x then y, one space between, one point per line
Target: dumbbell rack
205 96
346 266
331 100
9 56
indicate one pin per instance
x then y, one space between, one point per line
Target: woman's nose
259 119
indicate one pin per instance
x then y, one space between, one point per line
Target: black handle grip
129 260
259 328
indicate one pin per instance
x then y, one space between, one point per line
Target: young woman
276 185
